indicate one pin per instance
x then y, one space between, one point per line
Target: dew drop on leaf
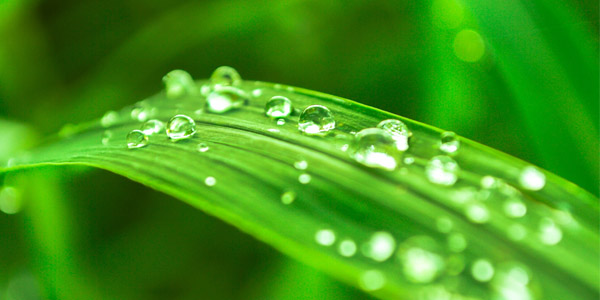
304 178
482 270
11 201
136 139
110 118
449 143
224 99
106 136
532 179
278 107
203 147
375 148
420 265
281 122
179 83
442 170
456 242
380 247
372 280
325 237
514 208
153 126
301 165
550 233
477 212
315 120
399 132
210 181
257 92
347 248
181 127
225 76
288 197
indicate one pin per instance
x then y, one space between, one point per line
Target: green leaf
414 239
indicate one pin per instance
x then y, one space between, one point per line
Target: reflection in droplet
181 127
316 120
457 242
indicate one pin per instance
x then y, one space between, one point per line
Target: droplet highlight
532 179
325 237
136 139
151 127
375 148
181 127
316 120
380 247
179 83
442 170
399 132
224 99
225 76
288 197
278 107
449 142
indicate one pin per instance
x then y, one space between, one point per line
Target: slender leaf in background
444 218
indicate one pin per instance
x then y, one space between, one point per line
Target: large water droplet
372 280
288 197
399 132
110 117
136 139
278 107
225 76
374 147
347 248
10 200
181 127
380 247
482 270
226 98
420 265
316 119
179 83
532 179
153 127
550 233
325 237
442 170
449 142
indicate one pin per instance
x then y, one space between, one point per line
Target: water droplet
477 213
347 248
225 76
457 242
408 159
205 89
442 170
304 178
301 165
482 270
210 181
106 136
181 127
514 208
372 280
202 147
316 119
257 92
225 99
179 83
449 143
288 197
374 147
532 179
273 130
139 113
444 224
278 107
136 139
325 237
380 247
488 182
550 233
110 118
399 132
280 122
11 201
153 126
420 265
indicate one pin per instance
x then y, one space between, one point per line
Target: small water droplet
304 178
449 142
288 197
347 248
408 159
301 165
136 139
316 120
444 224
380 247
153 127
203 147
325 237
179 83
181 127
106 136
399 132
442 170
278 107
224 99
550 233
372 280
532 179
225 76
139 113
514 208
482 270
257 92
11 201
477 213
110 118
457 242
420 265
488 182
280 122
205 89
210 181
374 147
273 130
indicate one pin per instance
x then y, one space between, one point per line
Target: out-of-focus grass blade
394 233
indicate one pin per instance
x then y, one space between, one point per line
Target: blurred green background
519 76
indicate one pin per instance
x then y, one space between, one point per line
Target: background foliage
533 93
